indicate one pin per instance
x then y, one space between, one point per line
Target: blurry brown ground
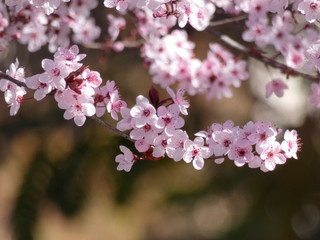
59 181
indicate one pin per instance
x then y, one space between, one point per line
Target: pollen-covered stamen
270 154
20 99
241 153
299 143
146 112
226 143
164 143
195 152
78 107
56 72
263 136
147 127
313 5
167 119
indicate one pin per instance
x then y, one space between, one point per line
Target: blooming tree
157 28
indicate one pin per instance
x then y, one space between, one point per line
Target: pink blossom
196 152
125 123
225 140
160 145
179 100
77 106
240 155
116 25
175 147
147 132
143 112
277 87
313 56
258 31
85 30
125 160
311 8
42 89
290 144
13 94
169 119
272 155
141 145
55 73
264 135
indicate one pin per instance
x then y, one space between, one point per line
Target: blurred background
59 181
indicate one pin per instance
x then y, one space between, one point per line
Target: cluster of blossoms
171 59
76 88
156 126
42 22
279 30
268 22
13 94
157 131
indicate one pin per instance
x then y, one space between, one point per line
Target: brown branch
11 79
256 54
228 21
103 123
109 45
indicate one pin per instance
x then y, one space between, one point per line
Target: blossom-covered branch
259 55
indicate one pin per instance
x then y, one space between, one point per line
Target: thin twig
228 21
260 57
104 46
103 123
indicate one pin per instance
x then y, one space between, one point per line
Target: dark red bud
154 96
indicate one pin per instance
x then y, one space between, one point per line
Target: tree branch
11 79
260 57
228 21
103 123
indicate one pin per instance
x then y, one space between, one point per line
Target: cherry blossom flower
175 147
290 144
179 100
196 152
116 25
125 160
240 155
85 30
42 89
160 145
169 119
277 87
225 140
77 106
311 9
143 112
125 123
13 94
55 73
313 56
272 155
